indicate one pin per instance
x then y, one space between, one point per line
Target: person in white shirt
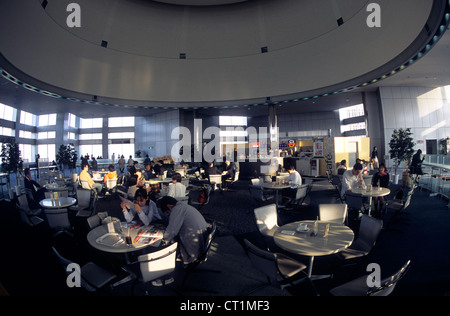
294 178
176 188
145 209
352 177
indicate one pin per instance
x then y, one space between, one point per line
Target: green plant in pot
401 147
66 156
12 161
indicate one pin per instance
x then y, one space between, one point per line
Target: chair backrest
256 192
185 182
57 218
354 201
236 176
256 182
262 260
216 178
388 284
111 183
336 213
335 180
93 221
266 217
23 201
208 239
302 190
85 184
369 230
83 199
158 264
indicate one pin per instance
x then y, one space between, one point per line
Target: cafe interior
228 100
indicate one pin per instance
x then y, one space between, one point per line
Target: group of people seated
353 178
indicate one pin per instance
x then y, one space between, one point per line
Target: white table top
51 187
303 243
99 231
374 192
61 202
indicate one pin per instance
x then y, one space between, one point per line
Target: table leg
370 204
316 277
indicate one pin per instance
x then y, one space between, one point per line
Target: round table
276 187
61 202
304 243
99 231
375 192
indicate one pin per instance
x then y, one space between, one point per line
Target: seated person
132 169
342 167
159 169
111 173
186 225
381 178
351 178
212 169
229 172
143 207
176 188
295 180
36 189
84 175
148 172
132 186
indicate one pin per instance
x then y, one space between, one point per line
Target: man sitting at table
148 172
84 175
176 188
143 207
36 189
295 180
186 225
351 178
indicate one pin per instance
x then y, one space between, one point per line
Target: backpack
202 197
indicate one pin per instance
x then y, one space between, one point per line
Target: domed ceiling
203 53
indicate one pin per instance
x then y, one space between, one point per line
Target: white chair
256 182
111 184
58 219
267 219
156 265
360 287
28 215
84 203
216 180
336 213
92 276
85 185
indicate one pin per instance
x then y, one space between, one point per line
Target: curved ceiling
146 53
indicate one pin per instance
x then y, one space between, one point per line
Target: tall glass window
27 118
47 120
91 123
7 113
121 121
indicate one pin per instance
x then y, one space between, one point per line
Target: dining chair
93 221
92 276
192 267
354 202
28 215
280 270
267 219
360 287
369 230
336 213
111 184
58 219
258 194
85 185
155 265
198 204
85 200
216 181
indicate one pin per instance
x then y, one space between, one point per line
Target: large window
125 135
72 120
121 121
27 118
27 135
120 149
47 135
47 120
90 136
91 123
356 111
96 150
7 113
232 120
26 152
6 131
47 151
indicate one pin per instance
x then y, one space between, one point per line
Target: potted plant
66 156
12 162
401 148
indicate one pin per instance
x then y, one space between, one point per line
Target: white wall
425 110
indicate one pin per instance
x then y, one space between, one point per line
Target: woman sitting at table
176 188
186 225
146 209
132 186
380 178
111 173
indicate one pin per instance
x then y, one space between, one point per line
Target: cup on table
302 227
369 188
